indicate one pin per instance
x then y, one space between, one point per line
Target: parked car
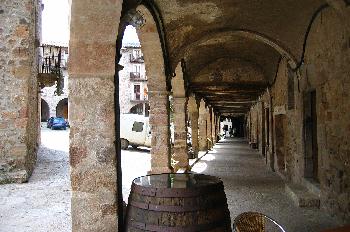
67 123
49 122
57 123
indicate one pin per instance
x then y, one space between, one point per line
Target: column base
19 176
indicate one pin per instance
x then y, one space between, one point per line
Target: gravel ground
43 204
249 186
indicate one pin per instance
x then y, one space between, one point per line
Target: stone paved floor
249 186
42 204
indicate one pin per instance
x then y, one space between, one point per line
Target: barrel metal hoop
179 209
177 192
191 228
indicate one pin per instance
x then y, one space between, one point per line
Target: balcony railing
50 68
136 59
136 76
139 98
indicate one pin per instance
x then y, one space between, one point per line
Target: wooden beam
226 94
232 102
227 86
231 98
233 106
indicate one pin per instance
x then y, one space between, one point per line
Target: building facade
54 92
133 90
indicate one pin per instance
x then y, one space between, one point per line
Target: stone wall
19 114
326 71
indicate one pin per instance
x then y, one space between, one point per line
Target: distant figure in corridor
225 129
231 132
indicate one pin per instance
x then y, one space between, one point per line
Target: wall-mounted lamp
136 19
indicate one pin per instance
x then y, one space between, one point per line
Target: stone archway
94 166
137 109
157 91
62 108
45 111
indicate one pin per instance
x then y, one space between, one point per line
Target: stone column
157 92
202 124
91 83
213 120
159 122
180 144
180 128
194 115
218 126
209 139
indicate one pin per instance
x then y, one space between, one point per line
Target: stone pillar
202 124
159 122
194 115
218 126
180 144
91 83
209 139
213 121
180 128
157 93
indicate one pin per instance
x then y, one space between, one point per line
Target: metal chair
255 222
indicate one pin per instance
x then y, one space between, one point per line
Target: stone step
312 186
301 196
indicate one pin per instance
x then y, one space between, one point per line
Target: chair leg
234 228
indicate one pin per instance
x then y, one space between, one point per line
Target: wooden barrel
177 202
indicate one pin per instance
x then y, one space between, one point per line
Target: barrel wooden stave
207 212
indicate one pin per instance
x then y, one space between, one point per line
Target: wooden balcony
136 59
136 76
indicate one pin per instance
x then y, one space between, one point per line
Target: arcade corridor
250 186
282 66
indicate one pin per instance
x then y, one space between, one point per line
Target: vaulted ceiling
232 47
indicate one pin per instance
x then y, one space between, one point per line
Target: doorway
263 131
310 136
62 108
45 111
280 148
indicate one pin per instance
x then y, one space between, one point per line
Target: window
137 53
137 68
137 92
138 126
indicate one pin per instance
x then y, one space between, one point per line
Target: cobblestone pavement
43 204
249 186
